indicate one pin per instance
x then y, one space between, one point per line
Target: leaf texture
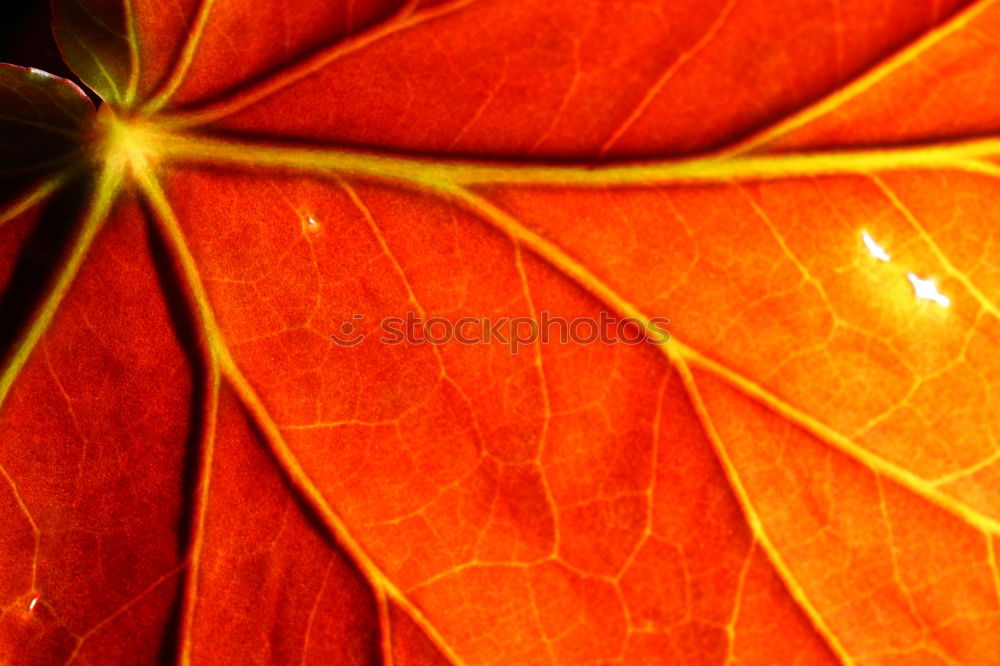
805 473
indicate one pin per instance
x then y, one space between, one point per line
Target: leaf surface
805 472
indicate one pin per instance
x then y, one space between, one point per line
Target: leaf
805 472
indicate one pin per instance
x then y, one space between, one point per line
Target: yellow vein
206 458
132 37
404 19
650 490
35 531
753 518
383 244
674 349
411 297
35 196
840 442
320 591
958 156
303 483
197 302
385 637
734 615
107 184
184 62
112 84
969 470
272 434
897 576
122 609
935 249
981 167
793 256
991 559
209 427
863 83
543 388
668 74
537 613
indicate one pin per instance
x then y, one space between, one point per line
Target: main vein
973 156
451 180
209 348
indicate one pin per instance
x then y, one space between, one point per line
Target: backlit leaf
806 472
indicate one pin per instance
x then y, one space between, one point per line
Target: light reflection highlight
874 248
928 291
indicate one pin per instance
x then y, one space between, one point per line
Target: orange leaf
215 452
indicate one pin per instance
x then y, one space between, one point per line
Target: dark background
26 40
26 37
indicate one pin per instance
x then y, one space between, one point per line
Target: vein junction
142 147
